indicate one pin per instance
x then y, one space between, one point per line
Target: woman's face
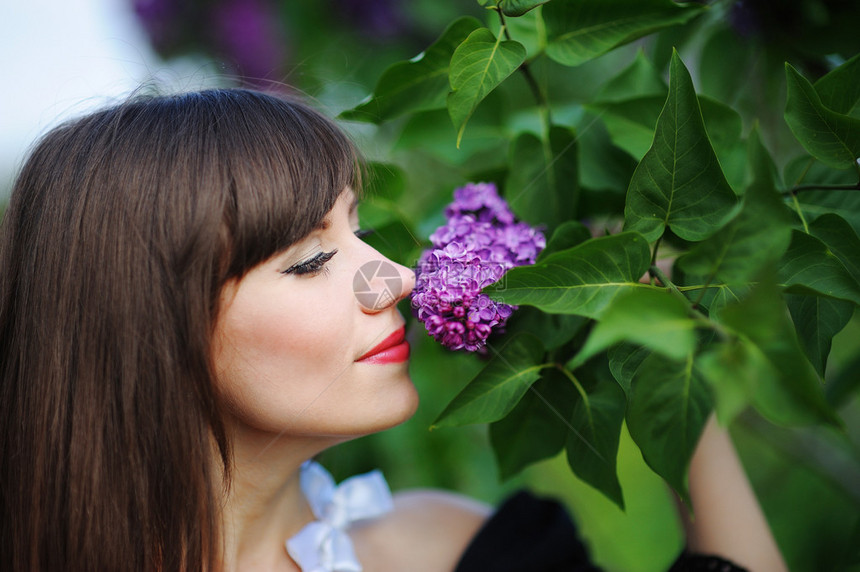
291 335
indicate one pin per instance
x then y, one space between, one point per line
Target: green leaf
631 122
542 183
761 169
515 8
666 412
832 138
418 84
639 79
592 442
719 296
537 427
553 330
432 131
567 235
582 280
724 126
733 373
755 238
839 90
810 267
679 182
654 318
817 319
580 30
624 360
745 371
768 360
603 167
845 204
528 30
497 388
807 170
478 65
841 240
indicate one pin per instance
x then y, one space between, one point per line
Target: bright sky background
60 58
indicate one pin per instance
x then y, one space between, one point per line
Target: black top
528 534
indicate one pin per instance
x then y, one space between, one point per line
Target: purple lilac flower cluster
478 244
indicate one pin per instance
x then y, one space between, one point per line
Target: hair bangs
286 166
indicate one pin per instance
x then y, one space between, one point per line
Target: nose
381 283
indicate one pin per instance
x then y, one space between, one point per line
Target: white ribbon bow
323 545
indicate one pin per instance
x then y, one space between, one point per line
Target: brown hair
121 230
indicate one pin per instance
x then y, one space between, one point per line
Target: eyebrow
324 223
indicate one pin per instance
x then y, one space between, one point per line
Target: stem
665 281
534 86
575 381
806 169
698 287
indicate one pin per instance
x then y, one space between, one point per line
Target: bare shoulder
427 532
442 514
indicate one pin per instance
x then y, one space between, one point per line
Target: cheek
281 351
288 332
301 333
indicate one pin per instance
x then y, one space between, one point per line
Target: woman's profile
179 337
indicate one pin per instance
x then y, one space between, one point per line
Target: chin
399 404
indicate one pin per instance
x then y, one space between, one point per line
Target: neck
264 505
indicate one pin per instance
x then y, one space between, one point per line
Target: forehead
347 201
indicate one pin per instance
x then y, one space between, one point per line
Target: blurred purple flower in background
376 18
248 33
162 20
480 242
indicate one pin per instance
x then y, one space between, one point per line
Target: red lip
393 349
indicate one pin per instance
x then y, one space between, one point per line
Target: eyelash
317 264
312 266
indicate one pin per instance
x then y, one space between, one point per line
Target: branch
702 319
527 73
814 187
654 270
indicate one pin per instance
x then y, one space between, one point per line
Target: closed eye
312 266
364 233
